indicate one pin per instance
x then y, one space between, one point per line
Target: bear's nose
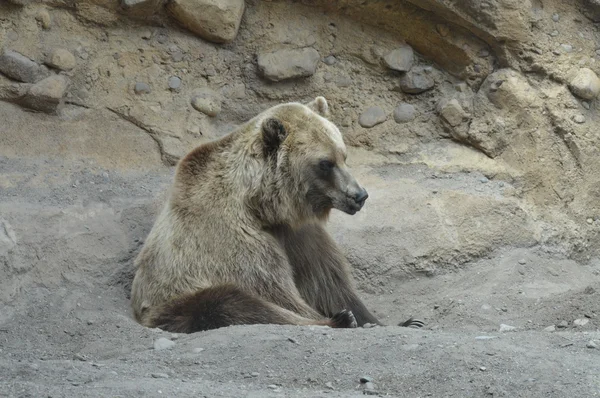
361 196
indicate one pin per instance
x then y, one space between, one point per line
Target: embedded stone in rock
46 94
19 67
43 17
585 84
372 117
61 59
174 83
207 102
404 113
141 88
416 82
288 64
142 7
452 112
400 59
214 20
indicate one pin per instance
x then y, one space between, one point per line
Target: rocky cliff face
474 123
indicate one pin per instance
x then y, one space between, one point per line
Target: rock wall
475 124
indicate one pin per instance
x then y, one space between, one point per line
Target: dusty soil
71 334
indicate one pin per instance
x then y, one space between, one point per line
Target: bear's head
307 155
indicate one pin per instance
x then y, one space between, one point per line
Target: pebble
206 101
197 350
163 343
141 88
485 337
484 180
550 328
555 17
585 84
404 113
329 385
371 117
589 221
254 374
366 379
585 104
522 261
562 324
272 386
401 59
43 17
174 83
591 344
506 328
160 375
452 112
288 64
483 368
61 59
416 82
566 48
554 33
330 60
18 67
579 119
581 322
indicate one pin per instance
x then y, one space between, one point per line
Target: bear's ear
273 134
320 106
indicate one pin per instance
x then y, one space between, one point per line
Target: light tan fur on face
217 226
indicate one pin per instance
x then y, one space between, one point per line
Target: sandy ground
67 331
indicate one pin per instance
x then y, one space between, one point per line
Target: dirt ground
71 334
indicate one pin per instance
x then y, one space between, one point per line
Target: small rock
174 83
207 102
288 64
452 112
61 59
46 94
555 17
197 350
404 113
272 386
522 261
483 368
369 325
442 29
485 337
506 328
216 21
160 375
566 48
254 374
163 343
484 180
330 60
19 67
141 88
550 328
366 379
591 344
400 59
554 33
585 104
589 221
579 119
562 324
329 385
43 17
372 117
416 82
581 322
585 84
369 389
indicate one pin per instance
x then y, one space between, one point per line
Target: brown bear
241 238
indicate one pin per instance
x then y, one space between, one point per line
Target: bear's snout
360 197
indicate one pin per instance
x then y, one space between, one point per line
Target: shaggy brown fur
241 237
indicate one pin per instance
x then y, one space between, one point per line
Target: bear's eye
326 165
